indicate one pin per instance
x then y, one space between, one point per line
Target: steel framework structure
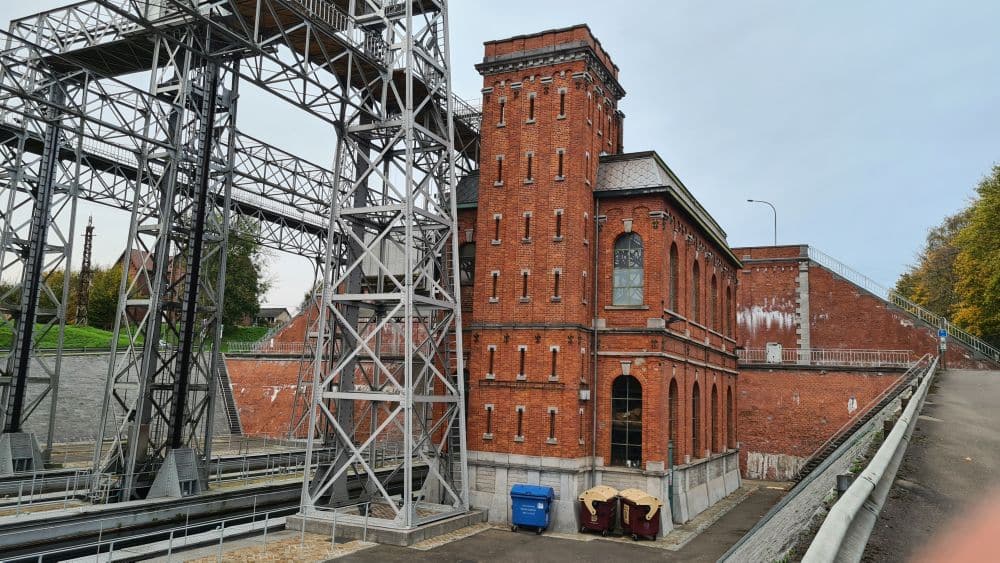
383 222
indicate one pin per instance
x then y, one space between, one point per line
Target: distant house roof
273 312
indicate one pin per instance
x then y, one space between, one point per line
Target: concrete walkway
952 462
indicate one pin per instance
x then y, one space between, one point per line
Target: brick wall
264 390
786 414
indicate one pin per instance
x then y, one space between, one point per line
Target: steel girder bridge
381 226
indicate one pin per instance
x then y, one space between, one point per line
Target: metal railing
919 369
893 297
847 527
829 357
104 548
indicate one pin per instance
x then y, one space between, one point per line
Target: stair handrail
895 298
907 376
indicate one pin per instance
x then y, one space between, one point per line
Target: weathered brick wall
786 414
841 315
766 299
771 539
264 390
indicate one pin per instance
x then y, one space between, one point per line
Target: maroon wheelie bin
598 507
640 514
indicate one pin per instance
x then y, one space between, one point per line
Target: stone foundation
698 485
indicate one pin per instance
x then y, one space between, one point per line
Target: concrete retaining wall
81 397
696 486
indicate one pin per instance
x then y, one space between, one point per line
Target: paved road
952 462
502 545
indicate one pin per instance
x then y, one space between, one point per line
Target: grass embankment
77 338
90 338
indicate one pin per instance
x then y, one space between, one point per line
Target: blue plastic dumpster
529 506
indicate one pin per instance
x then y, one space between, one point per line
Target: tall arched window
716 437
628 270
626 421
730 420
674 276
467 263
696 292
695 421
713 304
674 405
729 311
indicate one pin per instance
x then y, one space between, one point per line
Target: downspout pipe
593 380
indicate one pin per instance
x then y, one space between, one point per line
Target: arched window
628 270
730 420
674 276
713 304
716 441
695 421
467 263
674 406
729 312
626 421
696 292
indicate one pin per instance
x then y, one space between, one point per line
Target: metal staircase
867 413
892 297
228 400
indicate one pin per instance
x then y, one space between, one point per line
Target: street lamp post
773 210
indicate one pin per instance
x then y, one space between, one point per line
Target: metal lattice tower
86 273
381 225
38 222
391 275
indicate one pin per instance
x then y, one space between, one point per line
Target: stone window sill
498 184
518 438
521 377
626 307
551 441
557 239
495 242
488 436
494 300
557 299
524 300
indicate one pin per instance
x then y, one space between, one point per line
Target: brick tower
549 111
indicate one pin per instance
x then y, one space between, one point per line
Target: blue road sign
942 333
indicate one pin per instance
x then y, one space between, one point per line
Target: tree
104 296
931 282
977 264
246 261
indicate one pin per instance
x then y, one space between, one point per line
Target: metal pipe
593 380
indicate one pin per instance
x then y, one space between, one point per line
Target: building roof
620 175
468 191
272 311
645 172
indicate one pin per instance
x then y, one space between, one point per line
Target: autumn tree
977 265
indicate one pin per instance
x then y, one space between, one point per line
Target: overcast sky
864 123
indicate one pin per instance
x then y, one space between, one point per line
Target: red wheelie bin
640 514
598 507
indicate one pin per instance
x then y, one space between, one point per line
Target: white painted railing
829 357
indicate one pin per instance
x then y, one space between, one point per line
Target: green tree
931 282
977 265
246 263
104 296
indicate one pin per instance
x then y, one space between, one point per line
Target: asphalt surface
503 545
952 463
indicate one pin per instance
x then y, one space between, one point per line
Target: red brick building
599 296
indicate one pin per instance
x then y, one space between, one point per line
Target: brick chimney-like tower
549 110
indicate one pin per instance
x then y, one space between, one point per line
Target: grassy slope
80 337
